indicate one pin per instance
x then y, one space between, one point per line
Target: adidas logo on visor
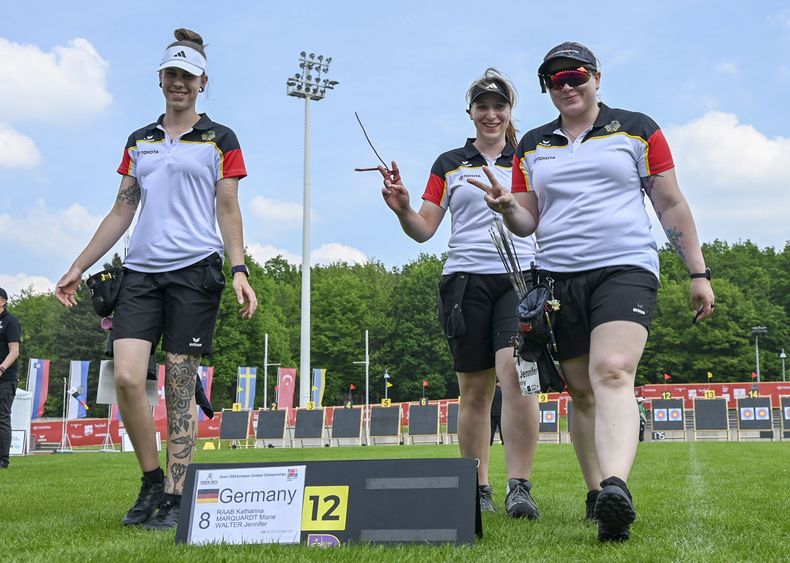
181 54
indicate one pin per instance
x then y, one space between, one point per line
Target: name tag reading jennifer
248 505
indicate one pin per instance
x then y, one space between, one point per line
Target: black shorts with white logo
478 315
180 307
591 298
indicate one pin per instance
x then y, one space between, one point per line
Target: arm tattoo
648 184
674 237
130 195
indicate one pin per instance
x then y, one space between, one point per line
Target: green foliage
398 308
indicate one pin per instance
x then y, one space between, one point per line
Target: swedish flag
245 387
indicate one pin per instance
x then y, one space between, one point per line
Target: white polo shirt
177 224
590 199
470 248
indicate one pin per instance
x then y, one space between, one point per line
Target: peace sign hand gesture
497 197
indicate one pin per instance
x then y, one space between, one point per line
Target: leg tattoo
180 374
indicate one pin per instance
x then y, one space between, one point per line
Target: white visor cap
185 58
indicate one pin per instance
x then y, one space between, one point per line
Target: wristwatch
705 274
240 268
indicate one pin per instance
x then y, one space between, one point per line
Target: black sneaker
484 493
149 498
519 502
592 496
614 510
167 515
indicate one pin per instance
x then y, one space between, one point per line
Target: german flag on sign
205 496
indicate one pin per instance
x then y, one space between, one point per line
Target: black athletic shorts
591 298
478 315
180 306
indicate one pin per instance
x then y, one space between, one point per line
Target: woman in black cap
183 173
579 184
476 300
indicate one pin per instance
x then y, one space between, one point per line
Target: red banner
286 383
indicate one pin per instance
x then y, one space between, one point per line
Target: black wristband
705 274
240 268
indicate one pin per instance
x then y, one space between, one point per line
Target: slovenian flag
38 384
78 379
319 382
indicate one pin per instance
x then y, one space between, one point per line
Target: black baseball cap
3 294
569 50
490 86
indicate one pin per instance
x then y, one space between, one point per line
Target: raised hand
395 194
497 197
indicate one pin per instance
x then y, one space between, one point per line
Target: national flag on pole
206 375
38 384
160 410
245 387
78 379
710 375
286 384
389 384
667 377
319 383
754 375
352 387
425 383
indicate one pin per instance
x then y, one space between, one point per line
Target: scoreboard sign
329 503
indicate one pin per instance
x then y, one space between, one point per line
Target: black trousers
7 394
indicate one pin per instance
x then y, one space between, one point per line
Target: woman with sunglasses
579 184
476 300
183 173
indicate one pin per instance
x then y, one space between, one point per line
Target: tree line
398 308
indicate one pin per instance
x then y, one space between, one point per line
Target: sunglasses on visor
573 78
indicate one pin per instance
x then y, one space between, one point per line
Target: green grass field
696 502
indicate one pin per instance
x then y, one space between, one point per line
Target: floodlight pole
756 332
783 357
308 85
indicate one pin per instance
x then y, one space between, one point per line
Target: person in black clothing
10 334
496 414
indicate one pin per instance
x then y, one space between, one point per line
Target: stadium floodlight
783 357
309 85
756 332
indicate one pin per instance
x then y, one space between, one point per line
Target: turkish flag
286 381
